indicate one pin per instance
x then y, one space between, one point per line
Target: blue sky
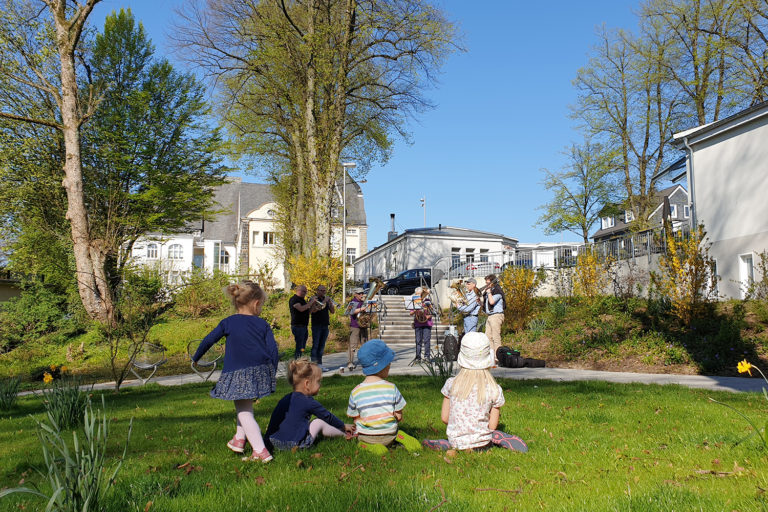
502 114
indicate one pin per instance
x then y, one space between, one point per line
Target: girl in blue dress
250 364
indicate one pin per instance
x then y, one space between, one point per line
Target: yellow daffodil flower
63 369
745 367
53 367
47 378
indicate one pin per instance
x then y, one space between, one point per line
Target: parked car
407 281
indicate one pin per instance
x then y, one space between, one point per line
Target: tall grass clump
65 403
9 389
78 475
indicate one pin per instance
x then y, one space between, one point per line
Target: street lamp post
424 205
347 166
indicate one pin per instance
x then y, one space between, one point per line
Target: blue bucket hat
374 356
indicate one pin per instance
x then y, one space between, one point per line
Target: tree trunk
92 287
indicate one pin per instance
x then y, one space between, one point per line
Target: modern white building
242 236
726 170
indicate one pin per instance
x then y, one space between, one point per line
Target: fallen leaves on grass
188 467
148 506
443 499
259 480
345 475
493 489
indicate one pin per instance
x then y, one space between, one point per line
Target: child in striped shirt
376 404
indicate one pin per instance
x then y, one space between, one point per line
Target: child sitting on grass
289 425
471 402
376 404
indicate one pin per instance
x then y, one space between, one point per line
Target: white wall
259 221
730 188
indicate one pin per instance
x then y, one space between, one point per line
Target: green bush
36 312
9 389
65 403
202 295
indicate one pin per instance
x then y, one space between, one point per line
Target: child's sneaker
410 443
376 449
263 456
508 441
236 445
437 444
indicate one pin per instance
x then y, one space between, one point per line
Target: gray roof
455 232
237 199
620 226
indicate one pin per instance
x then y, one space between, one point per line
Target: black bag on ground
508 358
451 347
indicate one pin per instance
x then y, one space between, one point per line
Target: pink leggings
318 426
247 427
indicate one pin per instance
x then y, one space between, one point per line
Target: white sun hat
475 353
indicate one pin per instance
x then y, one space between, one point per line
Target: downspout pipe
691 190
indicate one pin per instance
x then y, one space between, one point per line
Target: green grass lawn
593 446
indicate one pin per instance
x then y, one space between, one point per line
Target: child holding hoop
250 364
290 424
471 402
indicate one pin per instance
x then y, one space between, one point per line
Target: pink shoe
236 445
263 456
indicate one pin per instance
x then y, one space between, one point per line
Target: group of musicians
489 300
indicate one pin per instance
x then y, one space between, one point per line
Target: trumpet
319 304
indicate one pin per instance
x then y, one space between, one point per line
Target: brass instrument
317 306
458 296
364 317
420 315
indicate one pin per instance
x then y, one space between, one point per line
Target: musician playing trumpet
471 309
493 306
422 324
321 308
358 335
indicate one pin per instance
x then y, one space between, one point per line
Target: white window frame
746 272
268 238
686 211
351 255
607 222
673 211
175 252
152 251
629 216
351 231
223 257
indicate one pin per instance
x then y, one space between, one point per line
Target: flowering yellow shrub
314 270
590 276
686 275
519 285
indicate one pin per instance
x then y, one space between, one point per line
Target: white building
726 166
242 236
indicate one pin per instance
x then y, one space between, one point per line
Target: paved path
404 354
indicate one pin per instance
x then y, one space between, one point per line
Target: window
269 238
673 211
629 216
175 252
351 255
271 213
686 211
151 251
484 255
746 273
255 238
470 255
224 257
607 222
455 257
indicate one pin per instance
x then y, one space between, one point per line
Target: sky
502 113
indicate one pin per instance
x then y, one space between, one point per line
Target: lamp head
349 165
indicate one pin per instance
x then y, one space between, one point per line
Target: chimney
392 233
439 227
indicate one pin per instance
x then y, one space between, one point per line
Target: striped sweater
373 405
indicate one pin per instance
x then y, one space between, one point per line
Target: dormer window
607 222
629 216
673 211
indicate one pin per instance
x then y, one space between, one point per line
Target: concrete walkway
336 364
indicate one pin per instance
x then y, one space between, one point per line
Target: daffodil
63 369
47 378
745 367
53 367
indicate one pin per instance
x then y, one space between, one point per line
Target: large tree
304 82
38 65
628 103
145 162
580 190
